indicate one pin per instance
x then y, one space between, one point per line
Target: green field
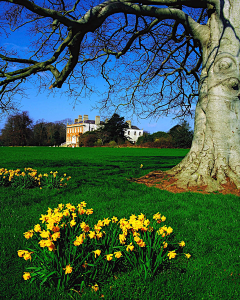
209 224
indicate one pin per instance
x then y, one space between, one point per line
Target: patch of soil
164 181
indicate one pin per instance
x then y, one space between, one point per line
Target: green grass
209 224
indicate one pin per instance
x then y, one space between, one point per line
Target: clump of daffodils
29 178
67 251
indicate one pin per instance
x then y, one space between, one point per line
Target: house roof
88 122
134 127
101 122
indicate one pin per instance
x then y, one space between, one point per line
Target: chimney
76 120
85 118
129 124
80 118
97 120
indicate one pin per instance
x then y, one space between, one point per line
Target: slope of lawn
209 224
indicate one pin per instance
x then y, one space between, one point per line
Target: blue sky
58 107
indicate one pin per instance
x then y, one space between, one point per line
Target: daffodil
182 244
163 218
109 257
27 255
187 255
99 235
118 254
130 247
114 219
169 230
92 234
21 253
97 253
165 245
73 223
79 239
26 275
44 234
106 221
28 234
56 236
68 269
89 211
42 243
60 206
95 288
157 216
171 254
122 238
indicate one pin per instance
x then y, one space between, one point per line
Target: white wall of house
90 127
133 134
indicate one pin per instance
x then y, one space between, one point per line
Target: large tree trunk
214 155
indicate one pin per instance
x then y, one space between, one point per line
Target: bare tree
157 56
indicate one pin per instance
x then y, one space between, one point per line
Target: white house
133 132
82 125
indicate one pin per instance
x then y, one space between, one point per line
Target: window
140 133
134 132
128 132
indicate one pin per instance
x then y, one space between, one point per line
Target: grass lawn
209 224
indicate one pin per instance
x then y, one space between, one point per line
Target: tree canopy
114 128
75 41
20 130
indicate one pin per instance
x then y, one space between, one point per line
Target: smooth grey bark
214 155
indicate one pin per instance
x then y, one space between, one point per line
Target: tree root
165 181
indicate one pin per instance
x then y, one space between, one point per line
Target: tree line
20 130
112 134
179 136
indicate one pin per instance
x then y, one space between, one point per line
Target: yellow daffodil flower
169 230
89 211
171 254
130 247
95 288
55 236
163 218
44 234
182 244
68 269
37 228
21 253
157 216
92 234
118 254
28 234
97 253
73 223
109 257
83 203
26 275
114 219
